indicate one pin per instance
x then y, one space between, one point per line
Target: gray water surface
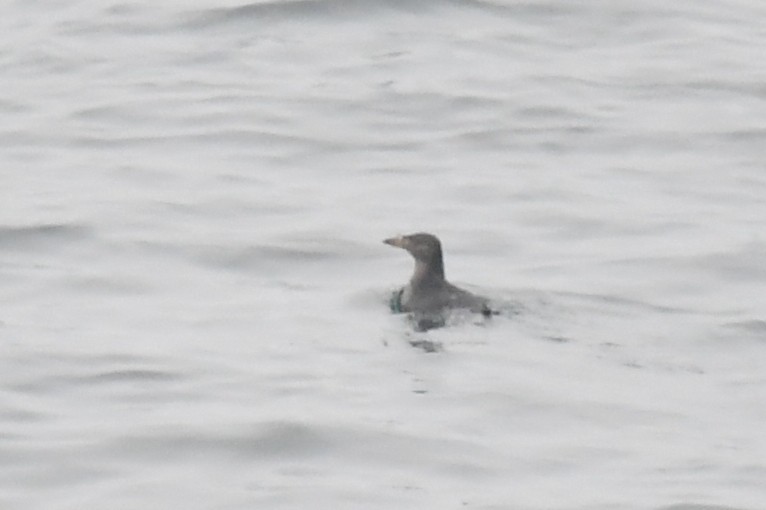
193 288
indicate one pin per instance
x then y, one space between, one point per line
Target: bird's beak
395 241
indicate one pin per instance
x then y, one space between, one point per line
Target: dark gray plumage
428 294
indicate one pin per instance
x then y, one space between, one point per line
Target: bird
428 296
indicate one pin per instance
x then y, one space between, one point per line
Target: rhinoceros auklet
429 295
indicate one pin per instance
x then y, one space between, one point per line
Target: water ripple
35 236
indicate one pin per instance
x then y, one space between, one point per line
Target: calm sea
193 288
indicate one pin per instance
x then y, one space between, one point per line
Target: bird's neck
429 273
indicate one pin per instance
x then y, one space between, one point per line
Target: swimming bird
428 295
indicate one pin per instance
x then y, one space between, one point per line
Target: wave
32 236
300 10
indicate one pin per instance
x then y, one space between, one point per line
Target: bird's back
433 299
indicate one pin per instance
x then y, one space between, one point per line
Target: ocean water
193 288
